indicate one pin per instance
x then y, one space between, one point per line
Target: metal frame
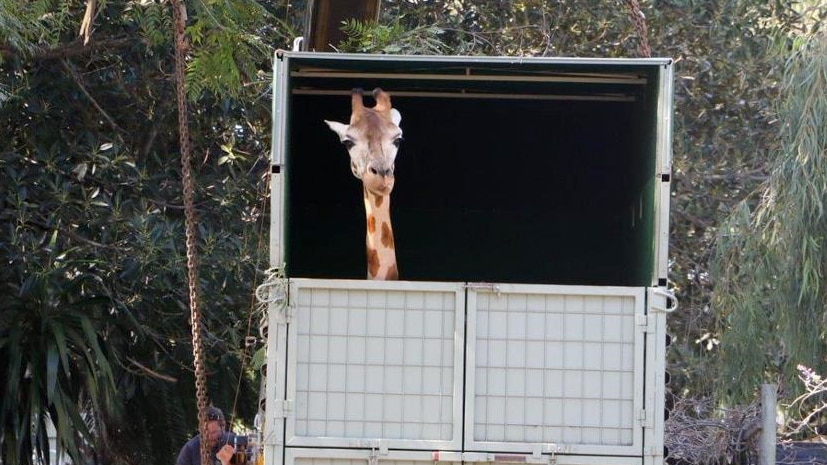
663 151
648 440
379 455
664 164
650 308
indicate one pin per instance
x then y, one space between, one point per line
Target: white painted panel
658 309
377 456
558 365
375 361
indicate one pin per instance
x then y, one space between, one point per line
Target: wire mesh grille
555 369
375 363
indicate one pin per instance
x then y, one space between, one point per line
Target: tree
772 259
94 320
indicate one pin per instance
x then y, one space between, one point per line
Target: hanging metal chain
179 14
639 20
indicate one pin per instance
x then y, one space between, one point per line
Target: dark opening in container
534 172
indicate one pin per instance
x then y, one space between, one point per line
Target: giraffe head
372 139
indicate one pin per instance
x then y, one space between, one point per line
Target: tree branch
66 50
73 72
151 372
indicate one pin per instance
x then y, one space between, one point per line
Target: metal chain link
639 20
179 13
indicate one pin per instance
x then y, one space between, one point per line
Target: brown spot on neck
373 263
378 200
392 274
387 235
371 224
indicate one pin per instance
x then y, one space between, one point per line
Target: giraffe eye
397 141
348 143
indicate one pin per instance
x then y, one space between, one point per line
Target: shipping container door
370 360
555 369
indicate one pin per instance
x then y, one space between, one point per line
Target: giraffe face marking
372 140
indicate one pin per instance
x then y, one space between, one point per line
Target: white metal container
531 211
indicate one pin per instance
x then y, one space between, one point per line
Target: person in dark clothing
218 441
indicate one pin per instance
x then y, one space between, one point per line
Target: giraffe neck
381 250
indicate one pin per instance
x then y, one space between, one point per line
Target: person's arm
225 454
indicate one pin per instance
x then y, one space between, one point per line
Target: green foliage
53 352
227 51
154 23
28 27
372 37
772 260
525 27
95 316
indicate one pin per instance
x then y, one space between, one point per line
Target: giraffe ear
396 117
338 128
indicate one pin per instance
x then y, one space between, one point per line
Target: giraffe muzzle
383 172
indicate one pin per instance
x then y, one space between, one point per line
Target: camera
240 457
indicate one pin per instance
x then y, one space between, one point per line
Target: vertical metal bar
768 402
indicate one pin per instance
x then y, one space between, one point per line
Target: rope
251 341
179 13
272 291
639 20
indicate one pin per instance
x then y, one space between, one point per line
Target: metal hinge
285 314
283 408
645 322
377 449
483 287
645 419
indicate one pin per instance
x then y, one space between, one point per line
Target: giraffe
372 139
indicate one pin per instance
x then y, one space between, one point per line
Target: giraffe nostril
381 171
